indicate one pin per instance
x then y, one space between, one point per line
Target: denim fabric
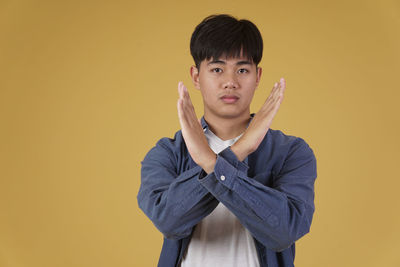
271 193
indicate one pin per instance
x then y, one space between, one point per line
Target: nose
230 81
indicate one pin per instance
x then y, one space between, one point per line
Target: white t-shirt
220 239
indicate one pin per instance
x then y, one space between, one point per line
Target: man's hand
192 132
260 124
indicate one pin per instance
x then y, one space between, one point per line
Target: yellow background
88 87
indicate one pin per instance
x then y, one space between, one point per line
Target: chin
227 112
229 115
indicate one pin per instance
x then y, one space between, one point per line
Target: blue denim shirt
271 192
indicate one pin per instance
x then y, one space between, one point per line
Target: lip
229 98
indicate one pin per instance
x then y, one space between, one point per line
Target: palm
261 122
192 131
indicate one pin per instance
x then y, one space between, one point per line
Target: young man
227 190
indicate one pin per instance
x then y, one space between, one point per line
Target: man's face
227 86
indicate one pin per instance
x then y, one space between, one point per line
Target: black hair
223 34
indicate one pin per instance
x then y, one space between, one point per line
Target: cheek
206 81
207 88
249 85
250 82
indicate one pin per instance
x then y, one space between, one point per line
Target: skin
233 76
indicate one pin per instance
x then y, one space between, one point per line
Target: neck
227 128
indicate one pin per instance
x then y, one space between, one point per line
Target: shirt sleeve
276 216
174 203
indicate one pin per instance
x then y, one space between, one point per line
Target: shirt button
222 178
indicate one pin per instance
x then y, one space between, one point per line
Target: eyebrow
243 62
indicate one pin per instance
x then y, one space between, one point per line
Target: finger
186 93
282 81
188 111
181 115
280 89
183 92
190 114
179 108
180 91
179 88
182 106
273 94
274 88
283 84
187 101
283 87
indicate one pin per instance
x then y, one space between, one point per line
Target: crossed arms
176 198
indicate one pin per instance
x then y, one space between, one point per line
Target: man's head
226 52
224 35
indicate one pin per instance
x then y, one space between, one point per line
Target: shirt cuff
221 179
231 157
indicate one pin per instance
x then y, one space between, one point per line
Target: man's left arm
276 216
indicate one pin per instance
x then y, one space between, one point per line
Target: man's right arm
174 203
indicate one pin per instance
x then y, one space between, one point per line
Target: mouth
229 99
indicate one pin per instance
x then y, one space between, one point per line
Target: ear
194 72
258 78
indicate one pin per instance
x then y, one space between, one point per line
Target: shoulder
279 137
287 145
167 147
290 154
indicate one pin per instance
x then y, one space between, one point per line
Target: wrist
209 164
239 151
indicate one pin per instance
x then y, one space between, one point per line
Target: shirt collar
204 124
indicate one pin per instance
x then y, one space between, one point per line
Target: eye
216 70
243 71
